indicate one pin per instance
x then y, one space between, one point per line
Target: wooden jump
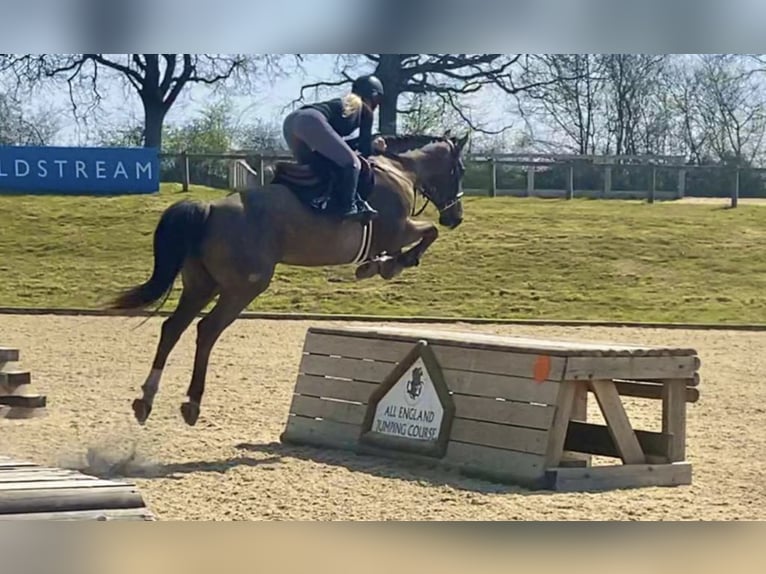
514 409
15 402
32 492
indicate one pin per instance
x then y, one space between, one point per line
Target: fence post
653 185
530 180
570 182
607 180
185 170
681 183
735 191
492 177
260 169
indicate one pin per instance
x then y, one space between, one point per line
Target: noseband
424 191
441 208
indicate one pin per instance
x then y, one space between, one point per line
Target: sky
267 103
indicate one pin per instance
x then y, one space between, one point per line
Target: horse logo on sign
415 384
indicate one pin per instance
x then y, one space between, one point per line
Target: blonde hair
352 103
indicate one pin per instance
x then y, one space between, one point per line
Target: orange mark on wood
542 369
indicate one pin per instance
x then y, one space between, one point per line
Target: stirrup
366 208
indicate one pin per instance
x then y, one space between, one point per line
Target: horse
230 247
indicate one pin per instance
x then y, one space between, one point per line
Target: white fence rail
243 174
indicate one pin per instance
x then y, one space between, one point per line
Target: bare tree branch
446 75
158 85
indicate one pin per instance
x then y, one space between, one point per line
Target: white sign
411 409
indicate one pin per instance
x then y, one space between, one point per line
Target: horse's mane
399 144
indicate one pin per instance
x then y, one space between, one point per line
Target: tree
18 127
631 85
572 105
450 77
732 106
429 114
157 79
260 135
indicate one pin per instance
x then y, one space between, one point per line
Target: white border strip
365 245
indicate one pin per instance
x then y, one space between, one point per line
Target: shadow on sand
148 470
409 470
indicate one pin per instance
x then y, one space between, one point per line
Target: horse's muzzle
452 216
450 221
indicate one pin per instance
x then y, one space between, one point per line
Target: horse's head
440 175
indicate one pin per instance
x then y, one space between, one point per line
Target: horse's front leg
425 233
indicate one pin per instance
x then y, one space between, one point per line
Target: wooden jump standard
506 409
15 403
32 492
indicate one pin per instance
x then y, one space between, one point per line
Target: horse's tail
178 235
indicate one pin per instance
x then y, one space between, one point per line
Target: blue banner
81 170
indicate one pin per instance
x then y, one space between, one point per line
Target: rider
320 127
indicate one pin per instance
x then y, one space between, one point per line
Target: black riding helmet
368 87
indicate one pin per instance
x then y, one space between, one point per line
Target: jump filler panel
507 409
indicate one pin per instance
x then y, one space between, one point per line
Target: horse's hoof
190 412
141 410
367 270
390 269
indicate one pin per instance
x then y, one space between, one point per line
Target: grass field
512 258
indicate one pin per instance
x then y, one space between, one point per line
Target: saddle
313 183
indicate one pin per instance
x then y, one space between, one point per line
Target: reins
376 165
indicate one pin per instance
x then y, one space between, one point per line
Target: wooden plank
7 462
558 430
580 402
12 468
474 340
25 401
8 355
142 514
644 390
367 371
589 368
15 378
499 436
693 381
496 464
351 413
353 347
595 439
47 475
520 365
497 362
501 387
316 386
64 499
597 478
306 431
504 412
618 423
462 382
59 484
674 418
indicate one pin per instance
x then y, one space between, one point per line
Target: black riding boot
351 206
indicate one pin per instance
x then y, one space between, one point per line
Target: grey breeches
308 131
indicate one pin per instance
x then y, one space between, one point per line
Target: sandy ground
723 200
231 465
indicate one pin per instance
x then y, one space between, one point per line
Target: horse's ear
462 141
448 134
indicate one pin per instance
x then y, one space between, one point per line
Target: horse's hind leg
230 304
199 289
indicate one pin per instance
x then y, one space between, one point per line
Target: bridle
424 191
